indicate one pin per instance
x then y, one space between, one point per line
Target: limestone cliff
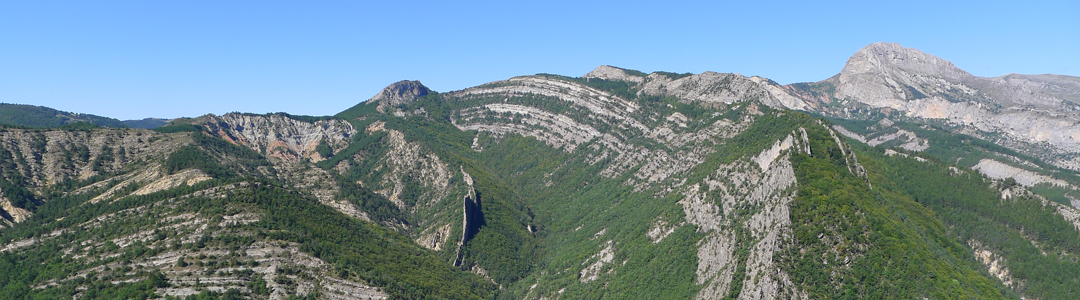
1034 114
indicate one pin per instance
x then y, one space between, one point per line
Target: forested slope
619 184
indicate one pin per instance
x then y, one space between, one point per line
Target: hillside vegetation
619 184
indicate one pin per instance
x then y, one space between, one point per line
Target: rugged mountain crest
1033 114
883 58
398 93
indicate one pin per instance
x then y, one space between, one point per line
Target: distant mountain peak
884 58
402 92
398 93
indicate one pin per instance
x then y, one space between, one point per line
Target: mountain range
901 177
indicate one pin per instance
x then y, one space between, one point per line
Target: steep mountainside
1033 114
616 171
40 116
187 213
617 184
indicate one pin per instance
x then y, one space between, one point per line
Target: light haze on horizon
137 59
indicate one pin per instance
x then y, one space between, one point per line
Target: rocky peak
398 93
885 58
607 72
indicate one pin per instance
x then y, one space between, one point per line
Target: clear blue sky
186 58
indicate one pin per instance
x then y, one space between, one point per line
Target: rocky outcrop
471 216
994 263
1063 87
398 93
11 214
604 257
998 170
660 230
149 179
887 75
883 132
404 162
766 184
600 104
1033 114
282 266
559 131
435 237
279 136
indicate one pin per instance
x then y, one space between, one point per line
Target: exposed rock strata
404 161
279 136
598 109
998 170
47 158
1033 112
767 183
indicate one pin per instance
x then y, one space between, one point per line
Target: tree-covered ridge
1038 246
855 238
1061 186
40 116
146 123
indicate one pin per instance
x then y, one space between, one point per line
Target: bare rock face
1034 114
998 170
764 182
281 137
879 64
398 93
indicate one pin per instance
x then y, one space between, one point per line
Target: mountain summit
887 58
1033 114
399 93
